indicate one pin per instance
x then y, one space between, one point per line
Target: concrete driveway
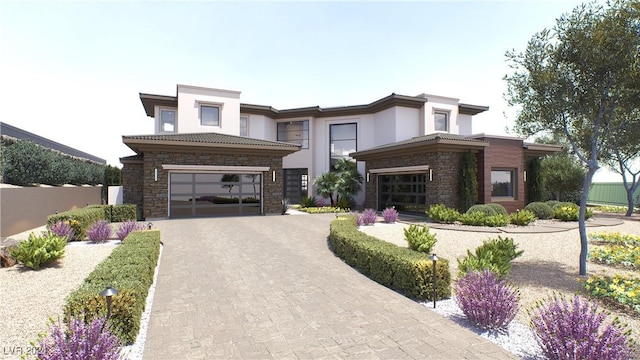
268 287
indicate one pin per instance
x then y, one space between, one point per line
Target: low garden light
434 281
149 226
108 293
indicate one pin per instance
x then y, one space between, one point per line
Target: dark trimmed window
294 132
441 121
502 183
209 115
343 140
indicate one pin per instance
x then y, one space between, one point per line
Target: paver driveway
269 287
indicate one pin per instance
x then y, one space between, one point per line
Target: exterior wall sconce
434 281
273 176
155 174
108 293
430 174
368 177
524 175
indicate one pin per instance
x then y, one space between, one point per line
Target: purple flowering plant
62 229
127 227
390 215
99 231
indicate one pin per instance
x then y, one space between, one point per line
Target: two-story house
213 155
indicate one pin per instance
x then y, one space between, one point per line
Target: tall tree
573 81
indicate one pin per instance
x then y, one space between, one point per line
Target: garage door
214 194
407 192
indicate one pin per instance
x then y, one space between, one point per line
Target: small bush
308 201
552 203
576 329
475 218
80 341
618 290
569 212
442 214
79 219
419 238
62 229
99 231
390 215
522 217
124 212
540 210
38 251
486 300
496 220
344 203
324 210
127 227
495 255
501 210
369 216
319 202
485 209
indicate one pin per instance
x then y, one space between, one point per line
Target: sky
72 71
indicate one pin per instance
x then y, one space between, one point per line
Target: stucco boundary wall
24 208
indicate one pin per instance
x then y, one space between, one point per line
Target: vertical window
304 182
209 115
295 132
244 125
342 141
441 121
502 183
168 120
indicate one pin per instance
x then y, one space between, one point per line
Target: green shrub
495 255
41 250
308 201
85 217
540 209
123 212
419 238
107 209
129 269
496 220
406 271
442 214
323 210
567 211
552 203
522 217
482 208
474 218
345 203
498 208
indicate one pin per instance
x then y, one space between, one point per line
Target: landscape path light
108 293
434 281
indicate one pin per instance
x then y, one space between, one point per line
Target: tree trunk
581 218
630 190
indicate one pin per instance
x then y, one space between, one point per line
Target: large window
502 183
295 132
244 125
441 121
168 120
209 115
343 139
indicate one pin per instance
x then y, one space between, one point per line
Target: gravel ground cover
549 263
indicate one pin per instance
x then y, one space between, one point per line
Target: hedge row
81 219
129 269
406 271
118 213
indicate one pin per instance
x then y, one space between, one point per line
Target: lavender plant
486 300
359 218
127 227
62 229
99 231
369 216
80 341
576 329
390 215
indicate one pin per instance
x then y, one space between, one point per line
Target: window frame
246 125
213 106
302 140
355 124
512 189
175 113
447 119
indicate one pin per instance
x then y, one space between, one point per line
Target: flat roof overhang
432 145
140 146
540 150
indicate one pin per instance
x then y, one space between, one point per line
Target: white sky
71 71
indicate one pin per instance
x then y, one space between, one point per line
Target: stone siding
133 184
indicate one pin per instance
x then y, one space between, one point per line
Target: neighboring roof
434 141
210 140
150 101
17 133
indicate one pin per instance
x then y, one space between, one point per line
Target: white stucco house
211 154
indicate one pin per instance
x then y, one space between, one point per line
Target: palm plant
325 185
344 182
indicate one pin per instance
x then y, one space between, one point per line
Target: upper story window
502 183
295 132
168 120
244 125
209 115
343 139
441 121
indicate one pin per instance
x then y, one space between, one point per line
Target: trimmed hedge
406 271
84 217
117 213
129 269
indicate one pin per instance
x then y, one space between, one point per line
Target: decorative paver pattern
270 288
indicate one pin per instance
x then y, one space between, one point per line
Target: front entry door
296 182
